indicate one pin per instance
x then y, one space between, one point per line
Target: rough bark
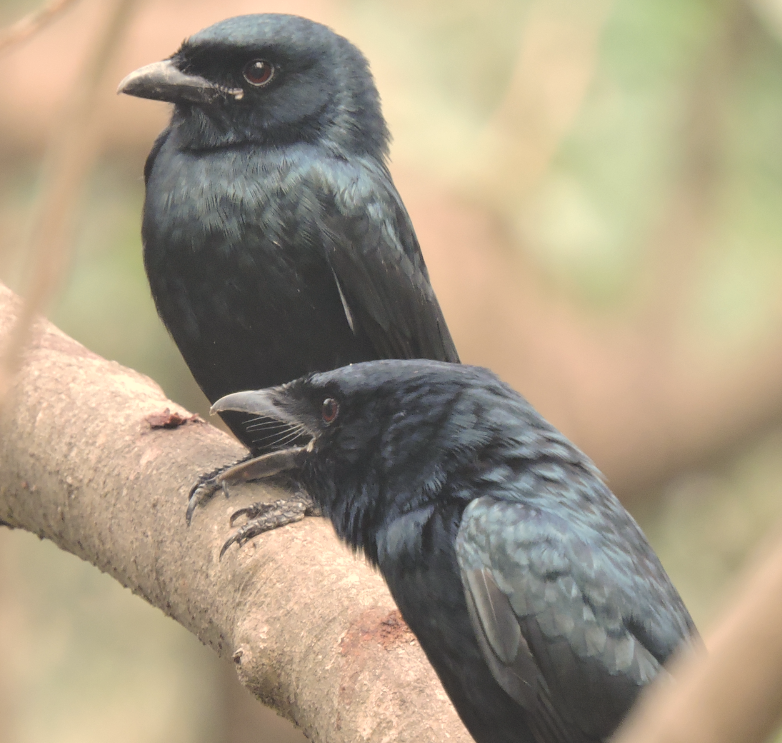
87 461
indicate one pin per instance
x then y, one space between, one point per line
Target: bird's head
385 434
269 79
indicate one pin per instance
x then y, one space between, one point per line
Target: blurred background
597 188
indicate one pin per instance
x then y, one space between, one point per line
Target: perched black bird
532 591
275 242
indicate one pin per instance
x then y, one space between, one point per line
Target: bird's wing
562 625
377 264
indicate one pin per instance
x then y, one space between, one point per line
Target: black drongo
275 242
533 592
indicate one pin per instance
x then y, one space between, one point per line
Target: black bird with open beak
533 592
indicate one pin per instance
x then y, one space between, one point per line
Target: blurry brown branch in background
734 693
550 80
9 633
669 275
770 12
30 24
72 153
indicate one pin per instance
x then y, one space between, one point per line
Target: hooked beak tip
124 83
164 81
255 402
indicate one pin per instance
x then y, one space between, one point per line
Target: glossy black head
386 433
268 79
390 408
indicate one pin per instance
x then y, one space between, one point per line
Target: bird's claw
245 470
208 484
263 517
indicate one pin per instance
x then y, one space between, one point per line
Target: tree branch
85 462
71 155
33 22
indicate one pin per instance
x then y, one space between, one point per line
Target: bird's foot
263 517
207 485
251 468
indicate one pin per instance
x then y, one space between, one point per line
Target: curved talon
192 504
243 535
200 493
207 485
231 540
250 511
264 517
245 470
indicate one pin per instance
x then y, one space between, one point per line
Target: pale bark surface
312 630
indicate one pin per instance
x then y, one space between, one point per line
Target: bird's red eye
329 410
258 72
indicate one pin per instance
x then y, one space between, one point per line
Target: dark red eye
258 72
329 410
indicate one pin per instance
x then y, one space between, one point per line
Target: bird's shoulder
356 201
351 183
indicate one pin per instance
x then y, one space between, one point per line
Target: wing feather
558 630
373 252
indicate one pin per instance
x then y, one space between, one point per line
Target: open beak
164 81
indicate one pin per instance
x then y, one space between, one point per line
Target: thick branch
312 630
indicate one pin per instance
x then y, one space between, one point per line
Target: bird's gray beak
164 81
256 402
